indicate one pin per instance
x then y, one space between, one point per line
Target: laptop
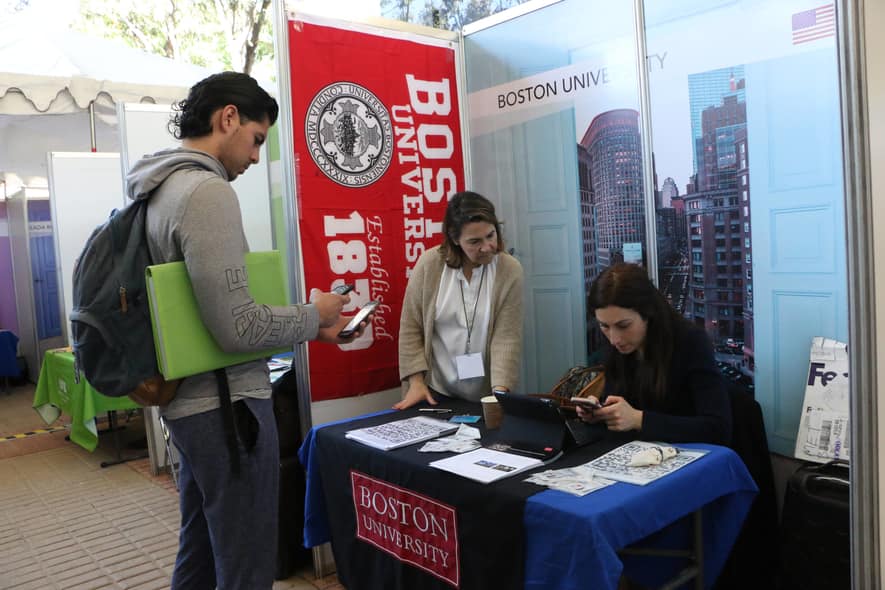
537 427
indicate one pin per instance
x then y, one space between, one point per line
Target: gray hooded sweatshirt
194 215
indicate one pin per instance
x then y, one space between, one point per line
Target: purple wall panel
8 319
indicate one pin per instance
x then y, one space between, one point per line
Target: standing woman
461 327
661 379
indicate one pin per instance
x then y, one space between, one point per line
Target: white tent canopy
49 78
56 71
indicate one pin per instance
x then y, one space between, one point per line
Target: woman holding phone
661 379
461 325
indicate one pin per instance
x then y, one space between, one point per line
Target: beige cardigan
504 345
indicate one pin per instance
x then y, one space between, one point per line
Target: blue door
799 280
43 272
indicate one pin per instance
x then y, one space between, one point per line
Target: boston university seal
349 134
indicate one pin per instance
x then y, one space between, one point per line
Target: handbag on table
579 381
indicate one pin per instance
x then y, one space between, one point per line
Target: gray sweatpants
228 536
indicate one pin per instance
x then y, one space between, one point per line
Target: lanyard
471 321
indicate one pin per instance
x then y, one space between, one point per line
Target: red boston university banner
378 153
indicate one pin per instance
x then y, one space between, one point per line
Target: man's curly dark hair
192 116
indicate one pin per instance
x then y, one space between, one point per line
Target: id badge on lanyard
469 365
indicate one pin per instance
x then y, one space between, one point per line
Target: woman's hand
617 413
417 392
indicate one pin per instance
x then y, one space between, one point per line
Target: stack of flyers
465 439
578 481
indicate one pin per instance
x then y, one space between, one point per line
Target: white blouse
450 329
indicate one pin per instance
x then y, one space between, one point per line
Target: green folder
184 344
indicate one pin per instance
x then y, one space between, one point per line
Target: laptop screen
531 425
538 423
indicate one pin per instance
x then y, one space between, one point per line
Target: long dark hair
465 207
642 377
193 116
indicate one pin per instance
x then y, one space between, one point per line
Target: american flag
814 24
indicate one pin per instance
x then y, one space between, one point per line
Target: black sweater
696 406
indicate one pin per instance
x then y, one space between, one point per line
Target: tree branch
251 46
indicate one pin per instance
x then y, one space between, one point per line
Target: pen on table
436 410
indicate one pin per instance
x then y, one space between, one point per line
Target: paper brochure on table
401 433
823 425
465 439
616 463
486 465
578 481
278 365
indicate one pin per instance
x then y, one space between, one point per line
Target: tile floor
66 523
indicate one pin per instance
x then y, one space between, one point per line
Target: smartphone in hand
359 318
586 403
343 289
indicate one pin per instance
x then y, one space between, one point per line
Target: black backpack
110 320
111 324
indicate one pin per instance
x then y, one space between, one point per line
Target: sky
60 13
56 14
340 8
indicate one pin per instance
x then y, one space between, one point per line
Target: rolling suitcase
815 537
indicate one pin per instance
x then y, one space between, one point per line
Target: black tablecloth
488 517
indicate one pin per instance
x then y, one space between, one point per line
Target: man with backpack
228 484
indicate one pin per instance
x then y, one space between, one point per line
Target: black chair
755 558
291 552
287 413
10 367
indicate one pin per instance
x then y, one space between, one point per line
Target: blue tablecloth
572 542
316 523
8 349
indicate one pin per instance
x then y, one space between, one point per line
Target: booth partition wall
553 112
715 160
741 218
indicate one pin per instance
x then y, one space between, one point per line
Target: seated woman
461 327
661 379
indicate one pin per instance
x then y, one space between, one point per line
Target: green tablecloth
57 392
